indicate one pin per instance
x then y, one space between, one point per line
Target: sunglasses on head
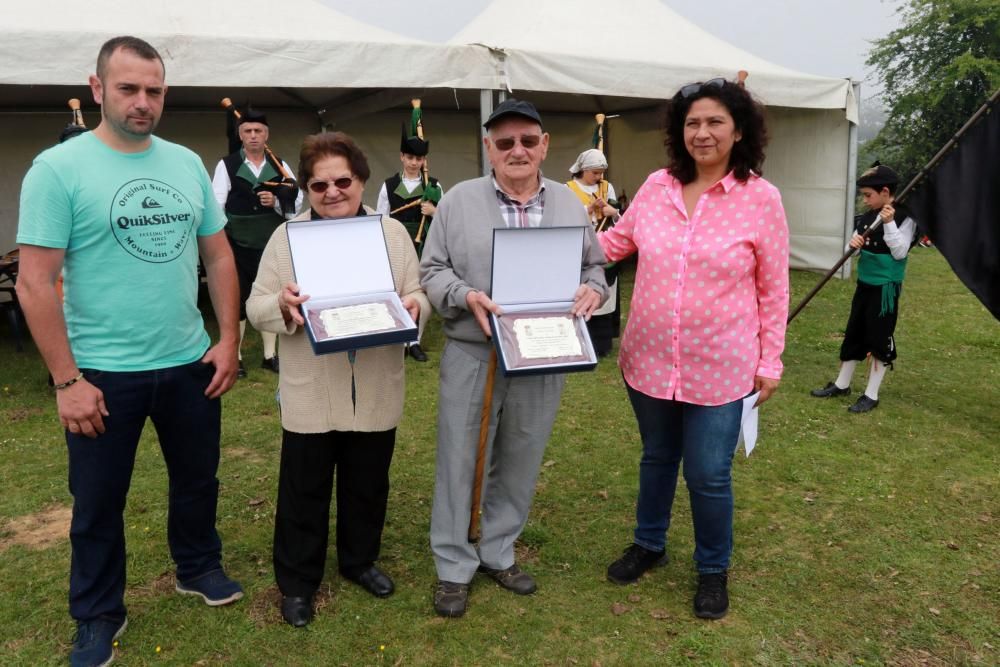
695 88
342 183
527 140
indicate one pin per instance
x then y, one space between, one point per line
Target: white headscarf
589 159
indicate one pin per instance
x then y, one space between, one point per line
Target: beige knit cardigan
315 390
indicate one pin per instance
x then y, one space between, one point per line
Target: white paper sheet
748 424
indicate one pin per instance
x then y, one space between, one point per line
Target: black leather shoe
513 578
270 364
829 390
241 372
297 611
417 352
373 580
451 599
863 404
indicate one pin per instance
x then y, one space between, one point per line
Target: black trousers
305 486
247 262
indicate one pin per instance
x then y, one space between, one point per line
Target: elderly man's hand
586 301
481 305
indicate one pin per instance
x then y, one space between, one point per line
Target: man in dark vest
245 184
403 191
881 269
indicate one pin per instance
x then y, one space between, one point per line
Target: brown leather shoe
451 598
513 579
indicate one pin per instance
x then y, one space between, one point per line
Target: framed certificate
536 273
354 302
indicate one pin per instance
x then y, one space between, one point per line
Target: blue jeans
705 439
100 471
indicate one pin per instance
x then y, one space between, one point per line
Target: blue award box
535 275
343 265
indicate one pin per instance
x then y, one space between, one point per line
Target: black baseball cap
512 107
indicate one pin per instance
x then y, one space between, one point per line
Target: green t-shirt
128 223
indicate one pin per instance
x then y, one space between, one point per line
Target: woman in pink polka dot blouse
707 321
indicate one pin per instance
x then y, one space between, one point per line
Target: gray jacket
458 252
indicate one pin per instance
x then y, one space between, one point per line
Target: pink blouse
711 292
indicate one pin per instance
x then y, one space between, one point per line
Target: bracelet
68 383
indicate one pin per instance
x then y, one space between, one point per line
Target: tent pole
485 109
852 170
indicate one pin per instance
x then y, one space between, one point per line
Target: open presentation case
343 265
536 272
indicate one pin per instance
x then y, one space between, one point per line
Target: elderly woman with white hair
598 196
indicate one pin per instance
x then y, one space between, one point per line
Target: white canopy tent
291 44
647 53
310 66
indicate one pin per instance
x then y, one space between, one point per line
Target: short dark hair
891 187
315 147
139 47
748 116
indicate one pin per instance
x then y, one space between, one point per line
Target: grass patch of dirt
39 530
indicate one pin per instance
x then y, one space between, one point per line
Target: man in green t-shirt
123 216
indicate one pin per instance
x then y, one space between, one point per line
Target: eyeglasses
527 140
695 88
342 183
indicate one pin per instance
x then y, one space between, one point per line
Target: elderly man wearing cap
455 272
598 197
253 212
875 307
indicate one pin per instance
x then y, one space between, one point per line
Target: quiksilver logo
153 220
125 222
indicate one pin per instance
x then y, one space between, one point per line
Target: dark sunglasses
342 183
527 140
695 88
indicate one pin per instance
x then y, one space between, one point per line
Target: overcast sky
826 37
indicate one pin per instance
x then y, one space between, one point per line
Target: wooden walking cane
484 434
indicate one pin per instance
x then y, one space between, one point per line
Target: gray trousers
523 412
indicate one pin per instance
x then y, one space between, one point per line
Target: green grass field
862 540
